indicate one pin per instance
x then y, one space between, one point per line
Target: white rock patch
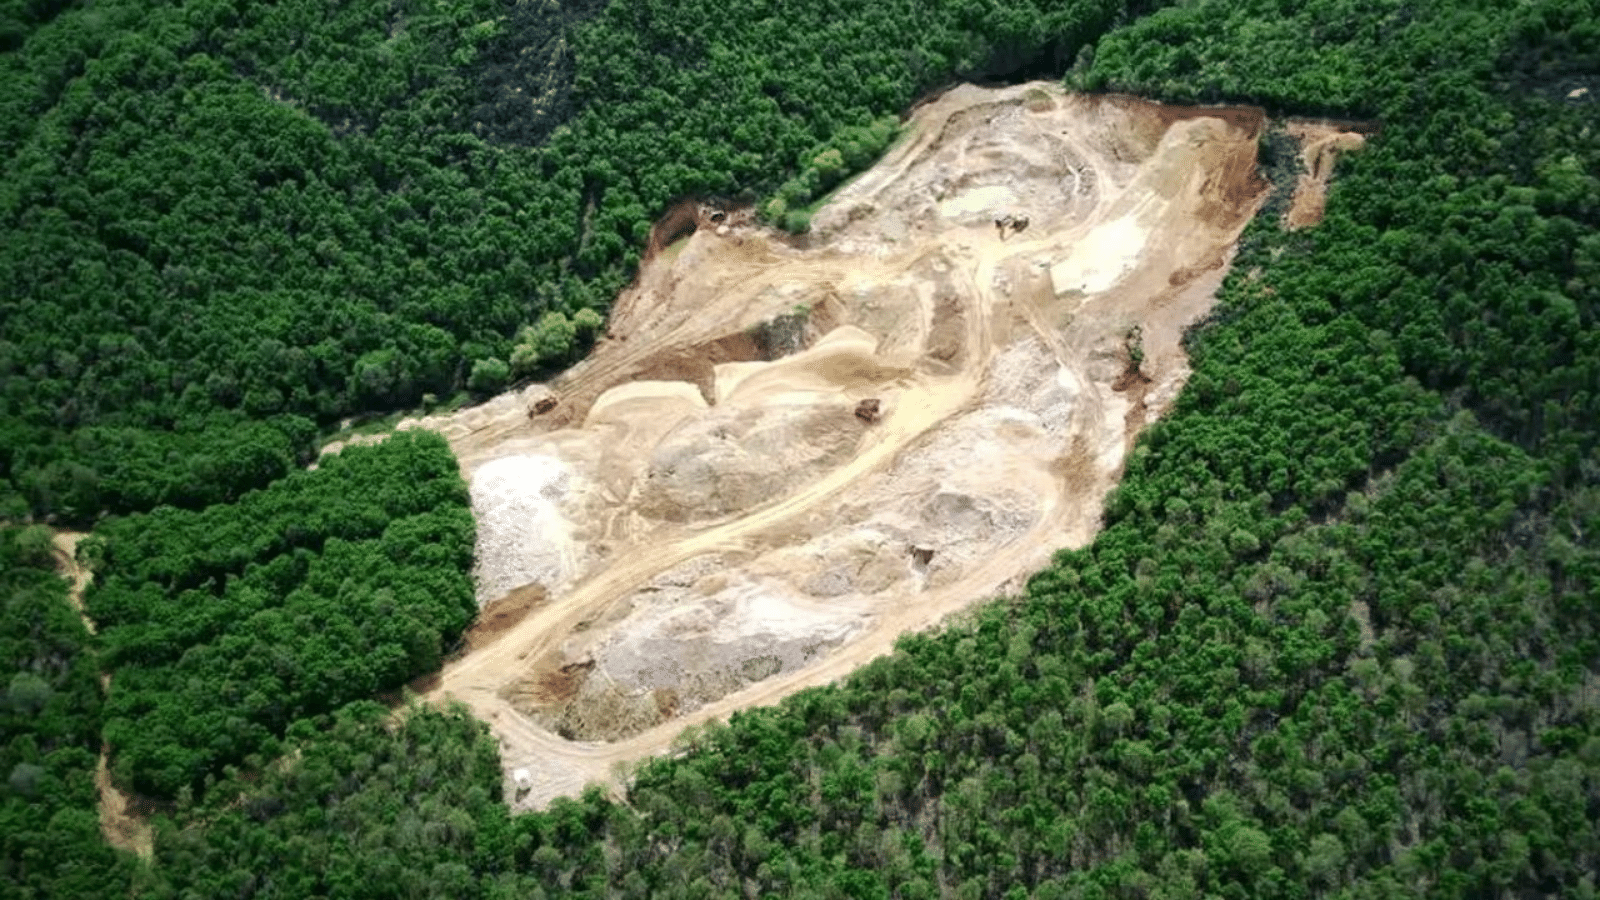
522 535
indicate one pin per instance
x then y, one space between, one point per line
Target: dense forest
1339 638
225 626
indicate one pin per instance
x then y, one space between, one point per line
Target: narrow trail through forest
119 823
789 452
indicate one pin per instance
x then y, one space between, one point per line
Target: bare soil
1322 142
502 615
713 524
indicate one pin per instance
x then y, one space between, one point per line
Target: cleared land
702 523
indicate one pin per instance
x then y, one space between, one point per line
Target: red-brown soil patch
503 615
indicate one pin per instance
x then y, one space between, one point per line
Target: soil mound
734 459
1322 142
523 538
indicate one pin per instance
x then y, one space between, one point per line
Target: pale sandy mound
693 635
1102 260
733 459
1027 380
522 536
845 358
841 564
962 493
704 650
644 401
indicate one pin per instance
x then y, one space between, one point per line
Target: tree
1324 858
489 376
549 342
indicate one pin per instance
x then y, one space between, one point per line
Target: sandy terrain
703 520
122 826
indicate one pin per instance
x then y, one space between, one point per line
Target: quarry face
789 451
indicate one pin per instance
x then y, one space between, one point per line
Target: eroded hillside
704 522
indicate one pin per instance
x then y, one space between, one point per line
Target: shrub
488 375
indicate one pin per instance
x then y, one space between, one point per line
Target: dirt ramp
1322 142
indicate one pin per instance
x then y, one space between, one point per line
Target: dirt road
713 526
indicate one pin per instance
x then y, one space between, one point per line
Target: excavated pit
714 525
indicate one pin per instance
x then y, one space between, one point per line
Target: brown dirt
678 222
65 550
696 364
124 818
1322 142
666 703
1131 379
717 529
1136 386
551 688
503 615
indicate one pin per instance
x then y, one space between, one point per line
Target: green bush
548 344
489 376
587 323
849 150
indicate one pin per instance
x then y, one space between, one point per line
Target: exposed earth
705 516
1322 142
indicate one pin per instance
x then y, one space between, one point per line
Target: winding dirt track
121 826
1014 371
